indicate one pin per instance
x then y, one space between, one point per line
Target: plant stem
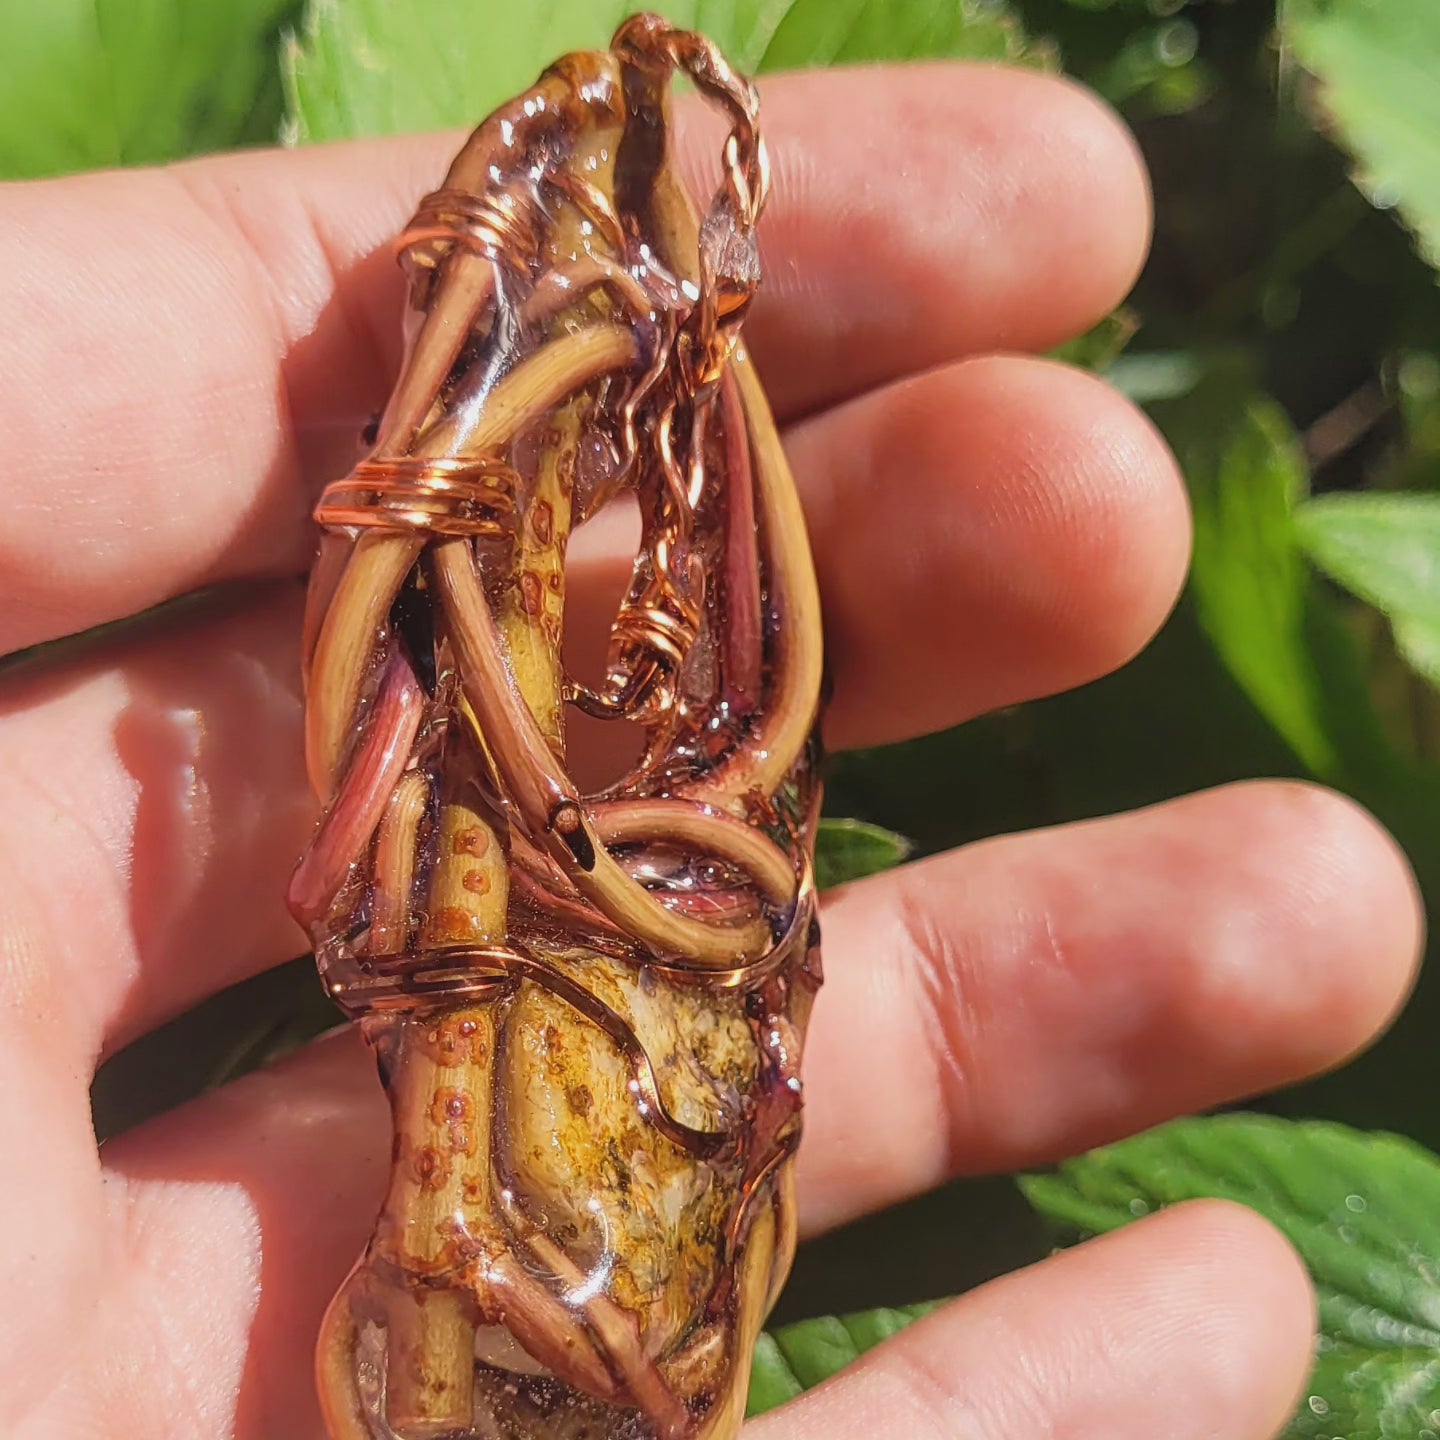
443 1099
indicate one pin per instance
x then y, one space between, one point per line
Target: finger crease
944 976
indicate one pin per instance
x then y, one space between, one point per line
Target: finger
1025 511
988 532
985 533
217 1238
1028 997
152 805
1193 1324
995 1008
52 1198
196 335
1179 1290
879 269
51 1201
1042 539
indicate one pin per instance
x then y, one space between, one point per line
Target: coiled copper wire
502 226
656 630
447 496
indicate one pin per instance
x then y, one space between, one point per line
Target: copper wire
657 630
725 294
500 226
479 243
752 972
471 498
593 203
431 496
624 697
465 973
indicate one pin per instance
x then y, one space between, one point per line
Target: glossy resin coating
587 1008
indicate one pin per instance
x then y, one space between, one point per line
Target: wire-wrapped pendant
587 1008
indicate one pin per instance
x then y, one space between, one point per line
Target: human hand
188 353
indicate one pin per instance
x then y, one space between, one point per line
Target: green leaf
372 67
798 1357
1385 549
851 849
1417 391
1155 375
1157 61
86 83
836 32
1245 474
1101 345
1370 1395
1253 590
369 67
1362 1209
1417 638
1376 63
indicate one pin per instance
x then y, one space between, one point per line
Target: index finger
183 347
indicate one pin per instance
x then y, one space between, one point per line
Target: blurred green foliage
85 83
1286 338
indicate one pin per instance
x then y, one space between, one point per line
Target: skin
189 353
